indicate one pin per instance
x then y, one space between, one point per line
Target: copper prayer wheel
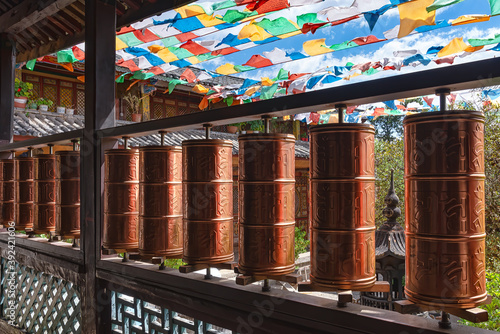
121 202
68 194
444 198
266 226
44 220
7 190
1 191
24 195
208 201
160 201
342 168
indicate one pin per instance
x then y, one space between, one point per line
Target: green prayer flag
277 27
121 78
243 68
495 7
441 3
229 100
371 71
247 101
30 64
169 41
308 18
223 5
130 39
173 83
180 53
267 92
480 42
66 56
142 75
343 46
282 75
233 16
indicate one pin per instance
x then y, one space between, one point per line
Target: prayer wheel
160 201
68 194
44 220
266 226
445 203
342 168
121 202
24 195
208 201
1 191
7 190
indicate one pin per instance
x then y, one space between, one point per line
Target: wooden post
7 66
100 26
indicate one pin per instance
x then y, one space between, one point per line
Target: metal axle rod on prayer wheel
68 194
266 226
121 202
44 220
24 192
444 198
208 203
160 201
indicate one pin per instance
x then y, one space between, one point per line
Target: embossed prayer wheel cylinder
121 202
24 195
68 194
208 201
8 191
444 198
266 226
342 168
44 219
160 201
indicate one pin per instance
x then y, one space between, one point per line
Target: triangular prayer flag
442 3
173 83
30 64
495 7
413 14
266 81
268 92
203 104
428 100
188 75
455 46
200 89
282 75
226 69
66 56
258 61
316 47
78 53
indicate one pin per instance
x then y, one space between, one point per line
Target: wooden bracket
344 296
189 268
249 279
474 315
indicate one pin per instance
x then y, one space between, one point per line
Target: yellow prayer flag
466 19
190 10
166 55
209 20
254 33
193 60
226 69
155 48
250 91
200 89
413 14
474 48
316 47
266 81
120 44
455 46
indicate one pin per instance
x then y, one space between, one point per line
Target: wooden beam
149 9
7 66
59 44
29 12
100 32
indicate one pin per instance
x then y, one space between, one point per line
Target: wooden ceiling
42 27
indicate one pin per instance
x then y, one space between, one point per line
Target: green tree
388 128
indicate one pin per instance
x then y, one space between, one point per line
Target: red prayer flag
367 40
296 76
78 53
188 75
130 64
448 60
225 51
334 23
156 70
258 61
312 27
125 30
145 37
185 36
452 98
428 100
194 48
265 6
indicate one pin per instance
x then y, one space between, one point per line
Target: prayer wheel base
358 285
195 267
249 279
212 261
446 302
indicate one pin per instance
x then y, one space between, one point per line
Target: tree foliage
388 128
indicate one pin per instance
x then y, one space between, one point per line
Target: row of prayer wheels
177 202
42 193
444 182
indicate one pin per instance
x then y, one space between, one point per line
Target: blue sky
359 28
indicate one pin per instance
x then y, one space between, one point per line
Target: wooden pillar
7 66
100 27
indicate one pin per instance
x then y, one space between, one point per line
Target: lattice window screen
36 90
170 111
66 97
50 92
43 303
80 102
135 316
157 111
